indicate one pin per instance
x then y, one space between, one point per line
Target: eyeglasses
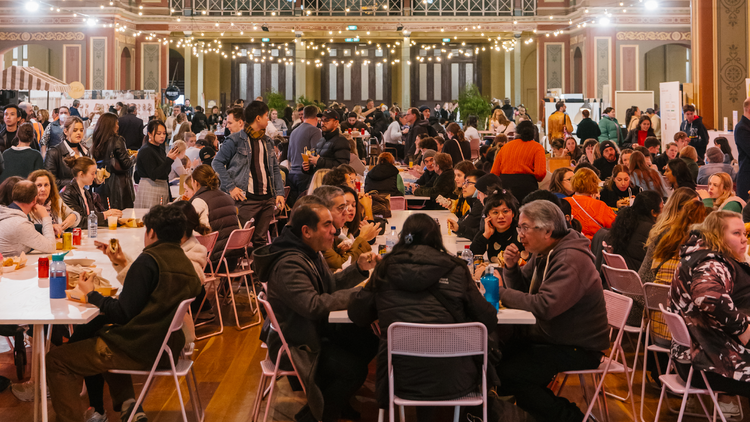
524 229
504 212
467 183
341 208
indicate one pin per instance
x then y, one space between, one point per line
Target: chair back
475 144
625 282
437 340
250 223
209 241
618 309
614 260
275 327
677 327
398 203
655 295
556 163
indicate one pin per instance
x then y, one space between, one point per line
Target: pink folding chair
240 239
184 368
674 382
618 309
475 144
438 341
398 203
614 260
209 241
270 371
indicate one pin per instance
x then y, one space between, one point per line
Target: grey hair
547 216
326 193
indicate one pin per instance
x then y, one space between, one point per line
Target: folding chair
614 260
209 241
627 282
673 381
270 372
618 309
438 341
240 239
184 368
398 203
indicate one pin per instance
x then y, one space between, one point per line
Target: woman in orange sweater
520 163
587 208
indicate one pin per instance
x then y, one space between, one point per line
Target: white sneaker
24 391
94 416
729 409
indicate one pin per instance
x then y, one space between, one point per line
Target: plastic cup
112 222
305 158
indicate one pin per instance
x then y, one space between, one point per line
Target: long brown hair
672 207
677 234
638 167
105 130
54 195
617 169
455 129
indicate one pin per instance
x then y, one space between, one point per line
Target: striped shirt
257 183
519 157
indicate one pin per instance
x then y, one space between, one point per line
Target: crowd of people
675 216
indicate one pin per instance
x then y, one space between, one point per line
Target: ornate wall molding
98 65
577 39
656 20
42 36
731 55
653 36
125 39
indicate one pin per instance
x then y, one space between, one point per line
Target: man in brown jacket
558 122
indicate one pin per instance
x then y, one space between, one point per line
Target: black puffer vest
222 216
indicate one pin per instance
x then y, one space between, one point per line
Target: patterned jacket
712 292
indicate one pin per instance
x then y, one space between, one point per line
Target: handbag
381 204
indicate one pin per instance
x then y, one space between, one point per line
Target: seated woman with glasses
499 228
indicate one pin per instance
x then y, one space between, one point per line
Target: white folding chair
184 368
240 239
627 282
209 241
618 309
438 341
270 372
614 260
673 381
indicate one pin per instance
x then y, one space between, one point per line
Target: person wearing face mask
468 225
71 146
152 168
54 134
78 198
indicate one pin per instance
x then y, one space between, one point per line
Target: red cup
77 237
362 131
43 267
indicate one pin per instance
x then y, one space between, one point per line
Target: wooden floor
227 368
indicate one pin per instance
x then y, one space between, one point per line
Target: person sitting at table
331 359
6 190
444 183
384 177
590 211
521 163
709 292
404 288
720 194
79 199
714 164
561 287
461 206
631 228
17 232
155 284
63 217
343 249
456 145
618 189
468 225
690 157
21 159
177 168
608 160
427 179
645 177
678 175
71 146
317 180
560 182
498 230
352 123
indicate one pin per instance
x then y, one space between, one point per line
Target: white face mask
62 118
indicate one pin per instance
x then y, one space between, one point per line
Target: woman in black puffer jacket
400 290
384 177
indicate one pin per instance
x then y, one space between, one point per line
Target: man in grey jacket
561 287
17 233
331 359
249 172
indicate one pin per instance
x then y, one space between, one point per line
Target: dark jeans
527 368
262 212
298 184
342 366
718 383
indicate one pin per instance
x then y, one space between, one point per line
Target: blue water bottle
491 287
58 280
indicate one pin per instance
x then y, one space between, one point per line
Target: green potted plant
471 101
276 101
304 100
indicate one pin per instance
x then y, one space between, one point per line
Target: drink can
67 241
478 260
43 267
358 184
381 250
77 237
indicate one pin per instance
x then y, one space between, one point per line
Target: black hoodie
698 135
384 179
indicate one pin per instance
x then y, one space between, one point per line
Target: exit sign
265 39
352 39
351 28
446 40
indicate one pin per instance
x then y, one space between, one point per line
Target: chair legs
250 301
218 312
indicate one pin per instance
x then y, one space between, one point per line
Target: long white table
504 316
24 299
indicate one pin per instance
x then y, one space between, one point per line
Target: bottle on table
391 240
93 224
58 277
468 256
491 287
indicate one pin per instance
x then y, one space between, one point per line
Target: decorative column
517 73
200 75
188 63
508 80
300 68
406 74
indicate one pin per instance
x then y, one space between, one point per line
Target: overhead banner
670 104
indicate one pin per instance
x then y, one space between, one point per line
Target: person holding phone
152 168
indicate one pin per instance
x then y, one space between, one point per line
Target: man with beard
333 148
606 163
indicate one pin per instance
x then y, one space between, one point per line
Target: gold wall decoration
653 36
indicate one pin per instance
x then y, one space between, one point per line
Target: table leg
40 373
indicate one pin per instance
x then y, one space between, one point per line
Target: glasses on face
341 208
506 212
467 183
524 228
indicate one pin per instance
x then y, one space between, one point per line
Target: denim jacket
232 164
